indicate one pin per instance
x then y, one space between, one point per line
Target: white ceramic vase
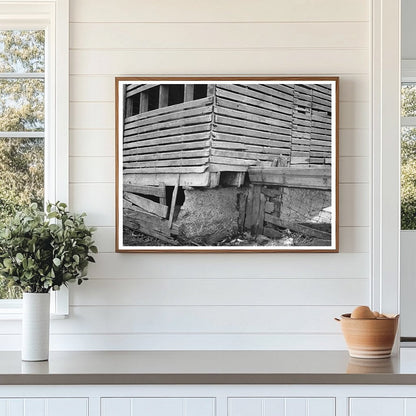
35 326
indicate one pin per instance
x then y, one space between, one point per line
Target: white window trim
52 15
385 96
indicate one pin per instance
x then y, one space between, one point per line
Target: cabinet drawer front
280 406
44 407
158 406
376 406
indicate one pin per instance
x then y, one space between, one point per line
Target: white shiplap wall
181 301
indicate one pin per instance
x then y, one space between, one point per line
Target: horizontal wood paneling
94 143
218 11
219 62
166 341
354 169
323 37
354 208
220 291
90 169
290 265
101 87
222 36
354 142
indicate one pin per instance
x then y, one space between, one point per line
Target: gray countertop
207 367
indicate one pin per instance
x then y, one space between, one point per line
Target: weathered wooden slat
247 140
310 178
282 89
324 126
319 154
245 132
299 160
300 228
169 170
144 190
169 162
302 95
189 92
130 87
302 122
144 103
137 213
182 154
299 147
154 179
322 88
173 202
319 94
321 137
219 167
272 233
242 123
302 103
301 134
283 119
321 119
301 141
129 107
323 132
236 145
191 112
147 205
240 98
163 95
255 212
317 161
172 124
249 208
276 96
202 102
162 198
260 218
250 91
238 162
268 121
242 155
177 132
324 102
191 145
320 148
321 107
135 226
138 89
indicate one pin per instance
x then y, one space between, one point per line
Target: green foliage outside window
21 110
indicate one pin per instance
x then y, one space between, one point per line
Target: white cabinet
146 406
44 407
382 406
281 406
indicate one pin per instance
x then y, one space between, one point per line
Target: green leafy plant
43 251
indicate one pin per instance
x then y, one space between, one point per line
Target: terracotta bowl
369 338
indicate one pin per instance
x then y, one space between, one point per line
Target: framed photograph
239 164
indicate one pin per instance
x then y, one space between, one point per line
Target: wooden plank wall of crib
258 124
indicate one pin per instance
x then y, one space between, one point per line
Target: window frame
53 17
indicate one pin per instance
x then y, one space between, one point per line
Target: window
33 111
408 155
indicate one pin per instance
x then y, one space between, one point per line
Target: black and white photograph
231 164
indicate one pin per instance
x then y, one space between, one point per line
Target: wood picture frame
227 164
